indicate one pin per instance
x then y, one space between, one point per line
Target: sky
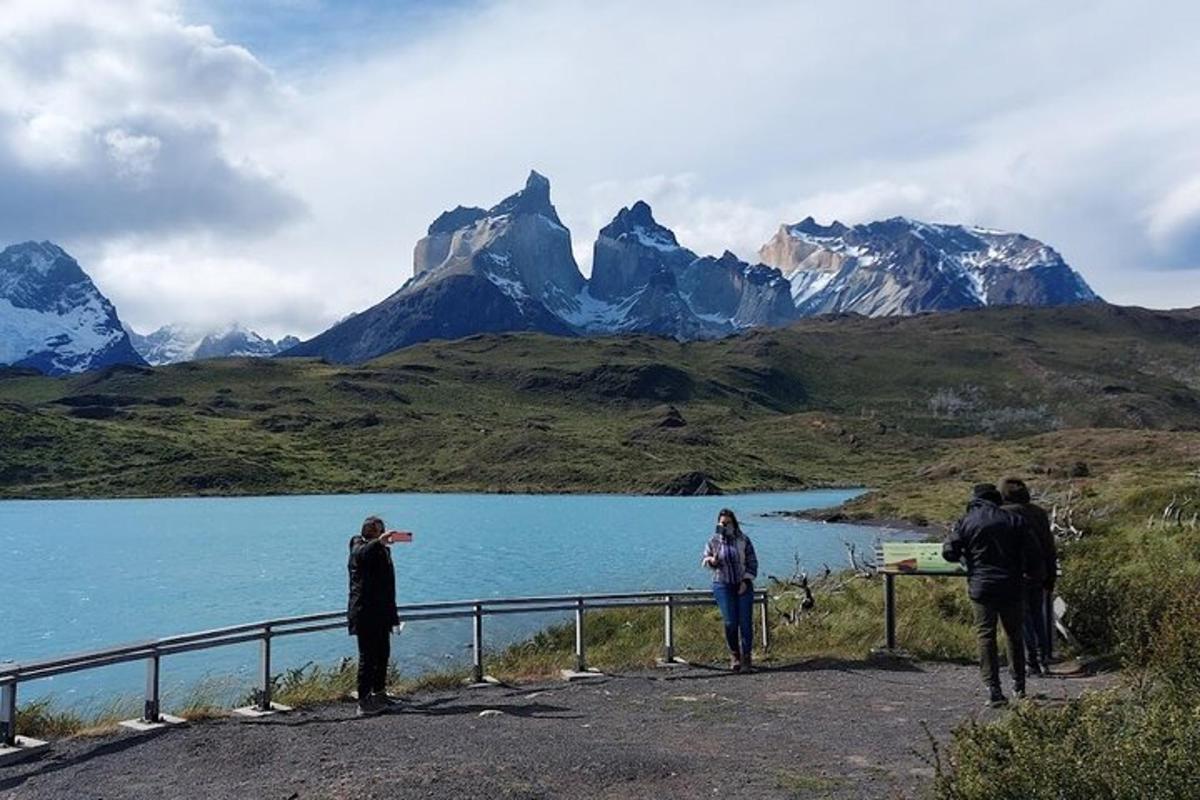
274 162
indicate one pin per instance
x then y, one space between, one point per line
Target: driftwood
802 588
1176 513
860 565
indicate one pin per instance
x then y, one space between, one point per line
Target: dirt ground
819 729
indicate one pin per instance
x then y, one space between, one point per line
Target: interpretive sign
904 557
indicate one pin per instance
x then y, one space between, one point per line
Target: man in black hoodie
1037 592
371 612
999 551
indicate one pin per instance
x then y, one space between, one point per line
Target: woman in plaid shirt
730 556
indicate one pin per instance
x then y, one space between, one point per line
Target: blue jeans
738 612
1037 634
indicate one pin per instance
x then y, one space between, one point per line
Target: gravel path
819 729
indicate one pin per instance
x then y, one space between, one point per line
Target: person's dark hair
728 512
987 491
369 524
1014 490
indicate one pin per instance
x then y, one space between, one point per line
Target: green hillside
841 400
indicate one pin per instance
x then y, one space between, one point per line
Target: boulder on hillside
690 484
671 419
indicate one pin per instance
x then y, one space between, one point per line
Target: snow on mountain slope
172 344
52 317
904 266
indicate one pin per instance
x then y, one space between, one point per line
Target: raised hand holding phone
403 537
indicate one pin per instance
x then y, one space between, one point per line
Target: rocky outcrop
692 484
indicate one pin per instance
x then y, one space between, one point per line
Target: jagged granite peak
518 248
630 249
533 199
904 266
638 220
52 317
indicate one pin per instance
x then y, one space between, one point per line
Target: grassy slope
829 401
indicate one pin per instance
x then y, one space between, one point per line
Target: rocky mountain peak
638 222
811 227
905 266
52 317
630 250
533 199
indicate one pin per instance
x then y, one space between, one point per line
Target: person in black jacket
1037 591
999 551
371 612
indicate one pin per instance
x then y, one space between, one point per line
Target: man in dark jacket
998 551
1037 592
371 612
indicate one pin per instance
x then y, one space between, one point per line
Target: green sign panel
916 557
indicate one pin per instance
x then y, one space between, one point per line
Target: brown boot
735 662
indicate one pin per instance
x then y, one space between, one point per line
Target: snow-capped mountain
903 266
510 268
52 317
172 344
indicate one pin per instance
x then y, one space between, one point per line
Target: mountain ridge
643 280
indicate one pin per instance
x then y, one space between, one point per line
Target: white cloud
114 118
1076 123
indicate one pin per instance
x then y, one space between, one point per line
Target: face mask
725 530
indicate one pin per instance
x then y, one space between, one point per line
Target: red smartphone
399 536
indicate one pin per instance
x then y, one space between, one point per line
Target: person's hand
711 561
743 586
392 537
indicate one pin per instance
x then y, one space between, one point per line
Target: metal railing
889 604
153 651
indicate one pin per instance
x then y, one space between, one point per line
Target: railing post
150 712
889 610
8 715
766 625
669 631
580 656
477 644
264 671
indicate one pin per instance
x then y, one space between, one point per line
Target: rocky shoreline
838 516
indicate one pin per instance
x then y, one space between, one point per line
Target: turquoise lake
82 574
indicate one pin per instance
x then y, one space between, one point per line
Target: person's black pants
374 651
1011 616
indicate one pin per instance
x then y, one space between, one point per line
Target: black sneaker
370 707
996 699
1019 692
